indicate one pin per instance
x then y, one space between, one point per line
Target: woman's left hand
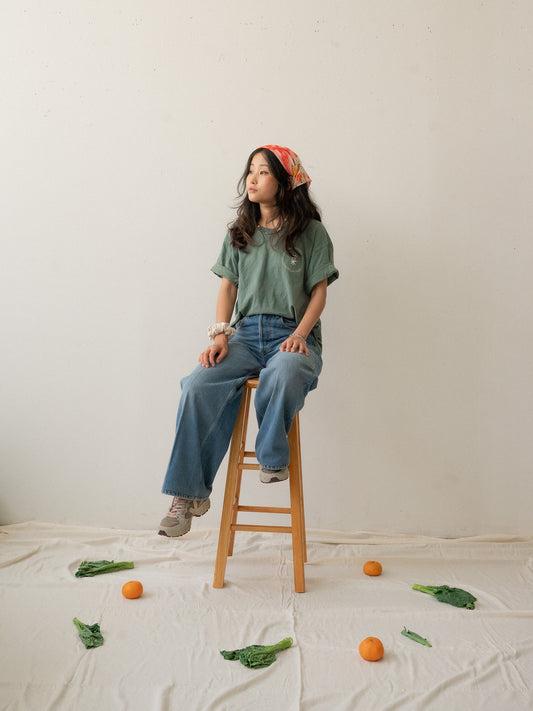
294 344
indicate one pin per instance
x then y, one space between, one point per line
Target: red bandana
292 164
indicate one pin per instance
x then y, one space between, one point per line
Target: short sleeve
227 264
320 264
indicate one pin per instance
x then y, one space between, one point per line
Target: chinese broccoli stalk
453 596
90 635
415 637
96 567
258 655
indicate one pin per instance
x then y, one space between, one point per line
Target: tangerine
372 567
132 589
371 649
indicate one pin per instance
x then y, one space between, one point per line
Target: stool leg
297 522
300 479
230 493
234 512
241 432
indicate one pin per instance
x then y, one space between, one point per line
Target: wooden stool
231 506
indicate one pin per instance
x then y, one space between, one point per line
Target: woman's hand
215 353
294 344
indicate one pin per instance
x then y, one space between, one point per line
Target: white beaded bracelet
298 336
217 328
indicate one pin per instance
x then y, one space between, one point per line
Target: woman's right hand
214 353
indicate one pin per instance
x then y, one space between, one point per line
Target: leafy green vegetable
258 655
90 635
453 596
415 637
96 567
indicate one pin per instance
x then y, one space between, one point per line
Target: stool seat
231 506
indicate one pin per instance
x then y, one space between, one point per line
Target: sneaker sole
172 531
273 477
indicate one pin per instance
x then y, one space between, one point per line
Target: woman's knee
291 370
195 382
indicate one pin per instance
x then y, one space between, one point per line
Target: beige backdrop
125 126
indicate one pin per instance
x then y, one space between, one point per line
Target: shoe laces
177 507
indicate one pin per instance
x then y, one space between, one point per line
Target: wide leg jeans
211 397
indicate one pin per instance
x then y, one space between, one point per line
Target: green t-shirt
269 281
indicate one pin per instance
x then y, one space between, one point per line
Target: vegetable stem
415 637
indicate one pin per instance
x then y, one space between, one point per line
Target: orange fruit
371 649
132 589
372 567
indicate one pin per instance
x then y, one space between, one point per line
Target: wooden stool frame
231 506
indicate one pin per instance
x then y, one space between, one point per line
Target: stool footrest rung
248 466
264 509
256 527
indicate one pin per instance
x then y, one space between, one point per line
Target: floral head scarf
292 164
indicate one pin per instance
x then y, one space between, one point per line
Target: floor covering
162 651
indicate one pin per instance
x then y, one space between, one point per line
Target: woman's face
261 185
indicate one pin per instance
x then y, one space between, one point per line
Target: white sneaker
177 522
269 476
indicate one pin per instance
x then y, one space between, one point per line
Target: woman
276 264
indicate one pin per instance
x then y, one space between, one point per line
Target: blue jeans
211 397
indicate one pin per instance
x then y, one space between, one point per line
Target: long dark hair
296 208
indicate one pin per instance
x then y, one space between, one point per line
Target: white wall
125 126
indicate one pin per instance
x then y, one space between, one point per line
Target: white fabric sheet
161 652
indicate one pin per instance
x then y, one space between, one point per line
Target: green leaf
97 567
452 596
257 656
90 635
